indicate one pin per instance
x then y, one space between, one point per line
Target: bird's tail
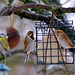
9 53
26 58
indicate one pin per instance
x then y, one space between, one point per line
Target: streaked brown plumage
64 40
29 44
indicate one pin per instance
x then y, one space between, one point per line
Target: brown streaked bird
63 39
29 44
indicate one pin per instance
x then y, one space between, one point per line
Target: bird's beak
30 35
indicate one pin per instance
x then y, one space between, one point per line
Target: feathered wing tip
9 53
26 58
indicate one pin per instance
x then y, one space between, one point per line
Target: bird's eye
57 32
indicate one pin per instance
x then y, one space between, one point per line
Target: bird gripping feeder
53 53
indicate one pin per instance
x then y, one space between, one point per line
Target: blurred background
16 62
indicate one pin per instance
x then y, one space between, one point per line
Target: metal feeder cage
53 53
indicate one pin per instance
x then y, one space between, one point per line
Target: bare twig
52 18
4 8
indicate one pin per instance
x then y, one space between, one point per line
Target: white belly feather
30 46
63 43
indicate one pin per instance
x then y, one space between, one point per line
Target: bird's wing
67 40
4 44
25 43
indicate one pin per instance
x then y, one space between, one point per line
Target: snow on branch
9 11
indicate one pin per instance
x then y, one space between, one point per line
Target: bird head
2 35
58 32
30 34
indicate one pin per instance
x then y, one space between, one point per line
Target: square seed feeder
53 53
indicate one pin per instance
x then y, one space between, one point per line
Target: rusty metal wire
50 27
52 18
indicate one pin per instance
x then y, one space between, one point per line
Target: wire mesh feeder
53 53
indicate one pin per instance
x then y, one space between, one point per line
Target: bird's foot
25 60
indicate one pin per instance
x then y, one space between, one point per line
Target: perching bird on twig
29 44
4 42
63 39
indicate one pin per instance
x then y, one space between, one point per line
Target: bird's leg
26 58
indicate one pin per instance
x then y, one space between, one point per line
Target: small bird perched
29 44
4 43
64 40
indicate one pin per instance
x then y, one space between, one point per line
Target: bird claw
25 61
27 58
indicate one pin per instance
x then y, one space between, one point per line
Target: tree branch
28 15
12 52
25 14
22 13
32 16
47 7
4 8
14 9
